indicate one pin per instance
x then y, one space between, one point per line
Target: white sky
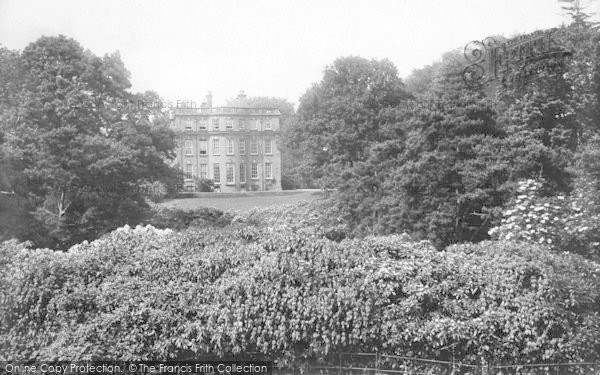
182 49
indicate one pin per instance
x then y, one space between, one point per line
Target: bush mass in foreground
151 294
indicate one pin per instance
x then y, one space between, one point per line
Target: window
242 173
202 125
230 147
268 124
254 172
242 124
216 150
187 147
242 146
203 146
230 173
268 147
188 124
228 124
188 170
253 124
203 171
217 173
215 124
268 170
254 146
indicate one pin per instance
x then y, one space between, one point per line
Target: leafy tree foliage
77 141
559 110
439 171
339 118
444 170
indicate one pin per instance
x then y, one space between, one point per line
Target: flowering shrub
562 223
149 294
179 219
309 218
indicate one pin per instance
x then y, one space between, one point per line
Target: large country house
236 147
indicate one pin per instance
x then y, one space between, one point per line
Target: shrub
155 190
562 223
179 219
205 185
309 218
150 294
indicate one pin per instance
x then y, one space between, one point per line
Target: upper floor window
216 145
187 147
215 124
230 148
253 124
242 146
229 124
202 125
268 147
188 125
254 146
268 124
242 124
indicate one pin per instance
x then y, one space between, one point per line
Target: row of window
188 148
230 172
253 124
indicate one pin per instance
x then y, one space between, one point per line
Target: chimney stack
209 100
241 99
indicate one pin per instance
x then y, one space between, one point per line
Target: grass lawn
242 201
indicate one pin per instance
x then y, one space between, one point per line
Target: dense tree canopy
339 118
76 141
444 168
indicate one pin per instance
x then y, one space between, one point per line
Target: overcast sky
182 49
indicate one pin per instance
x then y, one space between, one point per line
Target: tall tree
78 141
338 118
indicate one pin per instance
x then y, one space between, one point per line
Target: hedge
149 294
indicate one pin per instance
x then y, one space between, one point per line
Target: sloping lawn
242 201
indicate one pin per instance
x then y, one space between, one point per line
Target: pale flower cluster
533 219
147 229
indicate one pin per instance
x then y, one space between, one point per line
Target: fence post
484 367
453 365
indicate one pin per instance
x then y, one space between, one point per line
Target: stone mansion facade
236 147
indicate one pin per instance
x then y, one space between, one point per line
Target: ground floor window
254 172
268 171
217 173
242 173
203 171
230 174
